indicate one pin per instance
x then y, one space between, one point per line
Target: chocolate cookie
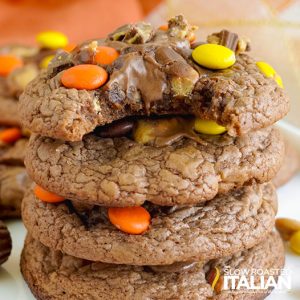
13 154
13 183
121 172
53 275
216 228
290 166
5 243
9 112
154 74
13 178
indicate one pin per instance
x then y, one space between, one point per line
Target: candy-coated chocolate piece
52 40
106 55
70 47
266 69
8 63
45 61
86 76
132 220
278 79
164 27
47 196
10 135
208 127
269 72
213 56
295 242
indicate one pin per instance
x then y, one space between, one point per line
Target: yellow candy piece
269 72
278 80
45 61
213 56
52 40
266 69
208 127
295 242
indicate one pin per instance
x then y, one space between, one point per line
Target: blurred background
273 26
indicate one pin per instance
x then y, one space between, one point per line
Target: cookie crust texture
218 228
121 172
53 275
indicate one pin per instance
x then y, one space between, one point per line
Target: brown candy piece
116 129
5 243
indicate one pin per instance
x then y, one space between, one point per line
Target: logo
249 280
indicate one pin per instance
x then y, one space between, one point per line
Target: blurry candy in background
21 20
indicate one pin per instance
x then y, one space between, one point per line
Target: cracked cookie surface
53 275
157 77
121 172
217 228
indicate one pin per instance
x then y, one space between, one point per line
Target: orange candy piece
133 220
69 47
46 196
84 77
10 135
8 63
164 27
106 55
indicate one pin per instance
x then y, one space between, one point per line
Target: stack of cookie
19 64
16 71
151 156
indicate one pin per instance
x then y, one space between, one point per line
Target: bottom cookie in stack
53 275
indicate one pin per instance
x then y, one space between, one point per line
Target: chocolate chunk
230 40
138 33
225 38
179 27
116 129
5 243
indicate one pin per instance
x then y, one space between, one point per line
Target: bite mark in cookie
154 74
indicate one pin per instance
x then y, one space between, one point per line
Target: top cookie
139 71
